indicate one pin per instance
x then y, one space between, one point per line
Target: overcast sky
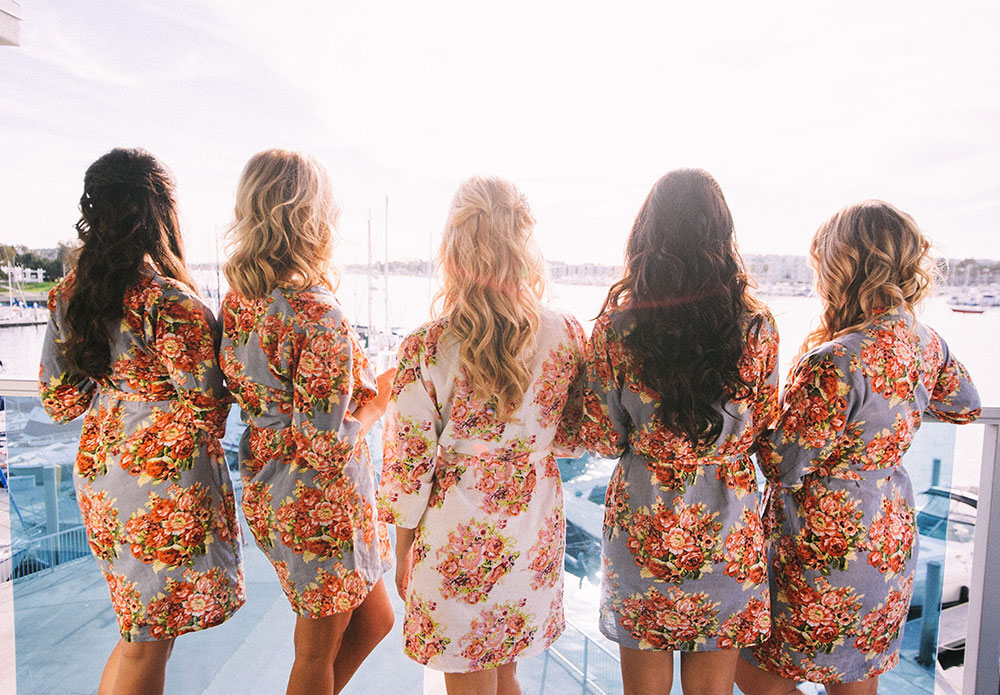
797 108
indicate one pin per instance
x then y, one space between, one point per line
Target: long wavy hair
686 297
493 281
128 223
868 257
283 227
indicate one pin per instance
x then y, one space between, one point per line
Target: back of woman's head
686 301
128 220
868 257
282 231
493 283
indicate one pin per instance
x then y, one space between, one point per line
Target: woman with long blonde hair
841 516
680 382
484 397
308 394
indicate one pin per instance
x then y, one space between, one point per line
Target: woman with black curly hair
130 344
681 381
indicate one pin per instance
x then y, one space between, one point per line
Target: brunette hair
128 222
493 283
686 297
868 257
283 228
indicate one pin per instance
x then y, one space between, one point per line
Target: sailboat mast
387 338
371 289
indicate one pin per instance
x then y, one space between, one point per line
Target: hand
373 409
404 559
384 385
404 570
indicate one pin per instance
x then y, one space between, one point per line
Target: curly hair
868 257
686 303
128 222
493 283
283 227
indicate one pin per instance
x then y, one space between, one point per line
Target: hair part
493 282
283 227
869 257
128 222
685 295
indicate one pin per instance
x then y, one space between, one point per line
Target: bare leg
110 672
370 622
317 641
708 673
868 687
507 683
475 683
756 681
142 667
646 672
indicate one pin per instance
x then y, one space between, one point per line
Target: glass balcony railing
54 603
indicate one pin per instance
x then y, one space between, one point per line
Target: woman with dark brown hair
681 380
130 344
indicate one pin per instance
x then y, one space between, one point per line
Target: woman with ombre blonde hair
840 516
309 395
484 397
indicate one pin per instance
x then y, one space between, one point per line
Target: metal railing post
930 615
982 646
586 652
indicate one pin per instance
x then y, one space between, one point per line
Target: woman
841 515
309 396
680 382
130 344
484 397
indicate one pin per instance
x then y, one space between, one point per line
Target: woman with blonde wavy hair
840 516
484 397
309 395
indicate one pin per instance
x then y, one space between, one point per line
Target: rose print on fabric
172 530
476 557
670 620
673 544
831 530
100 516
497 635
546 556
199 600
258 512
318 523
423 638
880 627
507 478
891 536
744 555
748 627
127 603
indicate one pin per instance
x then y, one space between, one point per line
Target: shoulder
166 295
62 290
562 323
424 341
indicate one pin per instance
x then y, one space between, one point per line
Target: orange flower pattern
484 496
683 548
841 515
298 370
151 479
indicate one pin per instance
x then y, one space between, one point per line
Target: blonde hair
282 231
869 257
493 283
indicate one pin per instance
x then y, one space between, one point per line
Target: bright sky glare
797 108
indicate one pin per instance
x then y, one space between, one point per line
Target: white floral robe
485 499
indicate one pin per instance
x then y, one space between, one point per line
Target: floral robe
298 371
841 514
683 551
150 475
484 496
